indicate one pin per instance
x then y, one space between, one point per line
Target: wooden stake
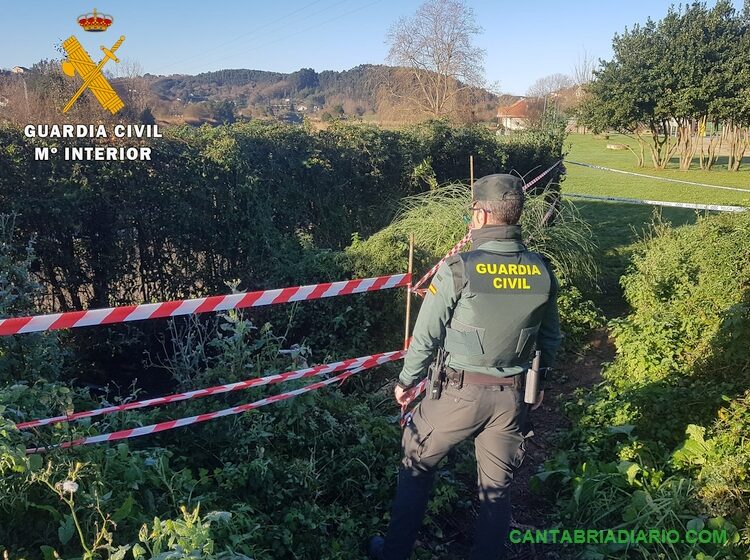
408 292
471 175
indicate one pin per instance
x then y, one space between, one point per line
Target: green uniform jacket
444 295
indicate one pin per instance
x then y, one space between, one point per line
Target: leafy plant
35 355
682 363
181 539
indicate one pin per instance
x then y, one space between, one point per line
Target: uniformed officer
487 309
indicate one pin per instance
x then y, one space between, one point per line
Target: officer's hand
539 402
404 396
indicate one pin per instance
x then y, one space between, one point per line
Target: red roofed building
517 115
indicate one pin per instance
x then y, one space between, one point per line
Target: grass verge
591 149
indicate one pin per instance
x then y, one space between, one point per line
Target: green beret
497 187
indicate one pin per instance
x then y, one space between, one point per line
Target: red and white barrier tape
420 387
110 315
352 363
531 183
172 424
551 211
456 248
406 414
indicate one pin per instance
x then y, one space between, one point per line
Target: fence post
408 291
471 175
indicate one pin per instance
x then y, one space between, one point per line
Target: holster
455 377
437 374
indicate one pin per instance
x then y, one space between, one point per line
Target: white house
517 115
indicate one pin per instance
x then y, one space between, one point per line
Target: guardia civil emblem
79 63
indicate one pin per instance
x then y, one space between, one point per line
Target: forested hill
180 86
257 92
222 96
358 82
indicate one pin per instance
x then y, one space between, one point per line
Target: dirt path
531 511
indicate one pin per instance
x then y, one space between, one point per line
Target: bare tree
130 74
437 59
554 93
546 86
583 70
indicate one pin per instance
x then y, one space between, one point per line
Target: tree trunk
662 149
640 154
686 143
708 157
739 140
745 133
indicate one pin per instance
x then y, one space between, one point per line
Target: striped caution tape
552 208
712 207
407 414
591 166
456 248
364 361
111 315
172 424
531 183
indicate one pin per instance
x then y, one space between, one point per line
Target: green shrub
627 495
685 339
720 459
682 354
31 356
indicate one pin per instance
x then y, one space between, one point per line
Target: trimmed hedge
241 201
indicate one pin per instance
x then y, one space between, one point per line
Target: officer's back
483 314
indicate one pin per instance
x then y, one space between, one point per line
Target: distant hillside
258 93
228 95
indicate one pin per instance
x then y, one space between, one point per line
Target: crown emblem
95 21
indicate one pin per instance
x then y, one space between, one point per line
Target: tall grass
436 219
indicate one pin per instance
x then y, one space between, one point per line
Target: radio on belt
532 380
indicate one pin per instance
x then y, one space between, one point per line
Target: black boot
412 494
492 526
375 550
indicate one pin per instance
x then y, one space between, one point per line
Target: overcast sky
524 40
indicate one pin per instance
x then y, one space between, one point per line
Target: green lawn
587 148
617 228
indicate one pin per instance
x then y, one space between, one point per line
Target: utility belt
459 377
441 375
529 381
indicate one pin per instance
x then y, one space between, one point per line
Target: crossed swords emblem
93 79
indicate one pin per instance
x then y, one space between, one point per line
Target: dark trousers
494 416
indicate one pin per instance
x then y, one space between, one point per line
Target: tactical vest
497 317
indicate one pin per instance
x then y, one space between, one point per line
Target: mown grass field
617 228
591 149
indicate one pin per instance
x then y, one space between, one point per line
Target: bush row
240 201
657 444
